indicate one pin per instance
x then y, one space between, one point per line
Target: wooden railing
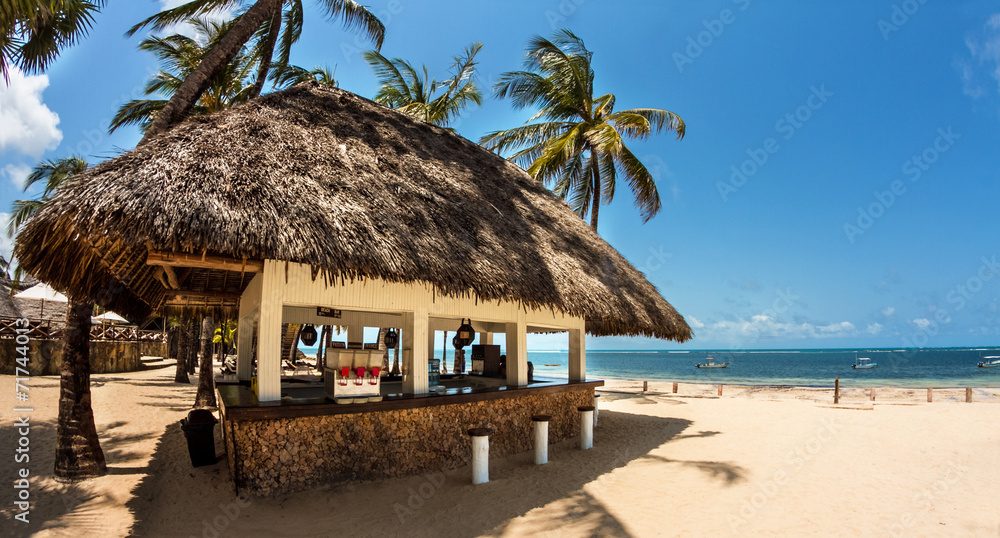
47 330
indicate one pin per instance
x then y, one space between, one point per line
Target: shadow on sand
176 499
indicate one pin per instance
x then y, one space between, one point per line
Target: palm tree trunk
78 449
183 345
221 54
193 331
266 52
206 379
293 351
596 208
321 348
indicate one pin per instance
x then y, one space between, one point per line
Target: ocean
938 368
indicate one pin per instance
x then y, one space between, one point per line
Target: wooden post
675 388
872 396
720 390
968 395
645 386
930 394
836 390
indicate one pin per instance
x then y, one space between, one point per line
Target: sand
757 461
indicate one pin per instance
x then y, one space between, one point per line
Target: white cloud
984 49
17 173
6 243
922 323
888 311
874 328
763 327
29 127
693 321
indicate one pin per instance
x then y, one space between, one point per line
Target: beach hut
316 206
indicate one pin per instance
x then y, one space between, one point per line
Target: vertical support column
517 351
244 343
355 333
486 338
577 355
415 337
249 304
269 329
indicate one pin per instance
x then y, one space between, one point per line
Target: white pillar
269 333
480 455
517 352
541 438
414 345
577 355
586 427
486 338
244 345
355 333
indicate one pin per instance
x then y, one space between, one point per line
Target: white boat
864 363
993 361
710 363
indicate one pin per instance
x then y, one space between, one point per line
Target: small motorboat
864 363
710 363
993 361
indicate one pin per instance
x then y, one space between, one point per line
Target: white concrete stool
480 454
596 409
541 438
586 427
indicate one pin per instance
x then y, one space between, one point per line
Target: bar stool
541 438
480 454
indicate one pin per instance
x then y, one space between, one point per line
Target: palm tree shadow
730 472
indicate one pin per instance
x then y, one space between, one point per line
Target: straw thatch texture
323 177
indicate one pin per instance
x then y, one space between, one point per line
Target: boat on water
863 363
710 363
993 361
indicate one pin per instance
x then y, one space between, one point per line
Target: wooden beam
171 276
179 259
203 293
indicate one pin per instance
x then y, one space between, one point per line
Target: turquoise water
811 368
941 368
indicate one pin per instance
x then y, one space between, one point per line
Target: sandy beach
756 461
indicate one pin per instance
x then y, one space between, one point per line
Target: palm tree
260 21
581 145
78 449
286 76
179 55
404 89
36 31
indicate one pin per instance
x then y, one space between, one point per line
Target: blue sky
836 188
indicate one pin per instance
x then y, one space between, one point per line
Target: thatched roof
323 177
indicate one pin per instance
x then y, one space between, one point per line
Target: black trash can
199 429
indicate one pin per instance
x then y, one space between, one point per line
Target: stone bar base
274 455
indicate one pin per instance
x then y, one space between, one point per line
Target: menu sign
328 312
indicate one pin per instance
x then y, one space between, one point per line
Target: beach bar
316 206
